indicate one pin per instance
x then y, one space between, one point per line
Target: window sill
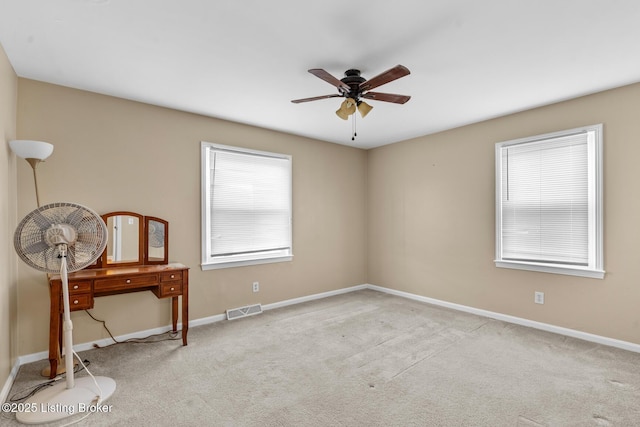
548 268
244 263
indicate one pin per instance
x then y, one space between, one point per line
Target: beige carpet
364 359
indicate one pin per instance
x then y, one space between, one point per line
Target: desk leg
185 306
174 314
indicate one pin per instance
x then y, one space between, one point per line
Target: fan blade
36 247
386 77
320 73
315 98
40 220
74 217
387 97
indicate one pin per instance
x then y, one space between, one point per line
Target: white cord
99 396
92 377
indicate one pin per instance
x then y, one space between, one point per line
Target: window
246 207
549 203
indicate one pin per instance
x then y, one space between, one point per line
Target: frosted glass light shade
347 108
29 149
364 108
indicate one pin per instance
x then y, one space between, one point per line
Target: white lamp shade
29 149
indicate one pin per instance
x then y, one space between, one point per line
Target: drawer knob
76 301
173 289
173 276
75 286
128 280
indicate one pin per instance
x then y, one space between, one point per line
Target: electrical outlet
256 286
538 297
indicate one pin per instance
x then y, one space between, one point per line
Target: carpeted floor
363 359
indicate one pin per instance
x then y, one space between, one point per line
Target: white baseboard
34 357
206 320
307 298
4 393
625 345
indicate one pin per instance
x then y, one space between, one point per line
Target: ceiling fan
353 87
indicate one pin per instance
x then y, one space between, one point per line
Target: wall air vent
249 310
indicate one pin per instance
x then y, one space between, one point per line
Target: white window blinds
248 205
548 200
545 201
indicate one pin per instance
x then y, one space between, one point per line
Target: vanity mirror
156 248
124 244
134 240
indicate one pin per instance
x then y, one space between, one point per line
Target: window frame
594 269
263 257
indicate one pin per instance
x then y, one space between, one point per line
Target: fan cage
30 238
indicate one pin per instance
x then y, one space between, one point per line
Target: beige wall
416 216
8 266
432 219
159 175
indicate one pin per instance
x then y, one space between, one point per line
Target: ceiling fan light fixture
364 108
347 108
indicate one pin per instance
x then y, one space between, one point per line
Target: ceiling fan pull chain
353 127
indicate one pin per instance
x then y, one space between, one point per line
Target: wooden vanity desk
135 260
165 281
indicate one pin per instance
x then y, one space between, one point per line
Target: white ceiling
245 60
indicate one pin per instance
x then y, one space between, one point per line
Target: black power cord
150 339
30 391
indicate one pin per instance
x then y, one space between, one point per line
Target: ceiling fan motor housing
353 79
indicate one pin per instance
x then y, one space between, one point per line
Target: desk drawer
170 276
124 282
79 287
168 289
78 302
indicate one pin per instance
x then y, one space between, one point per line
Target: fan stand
73 397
